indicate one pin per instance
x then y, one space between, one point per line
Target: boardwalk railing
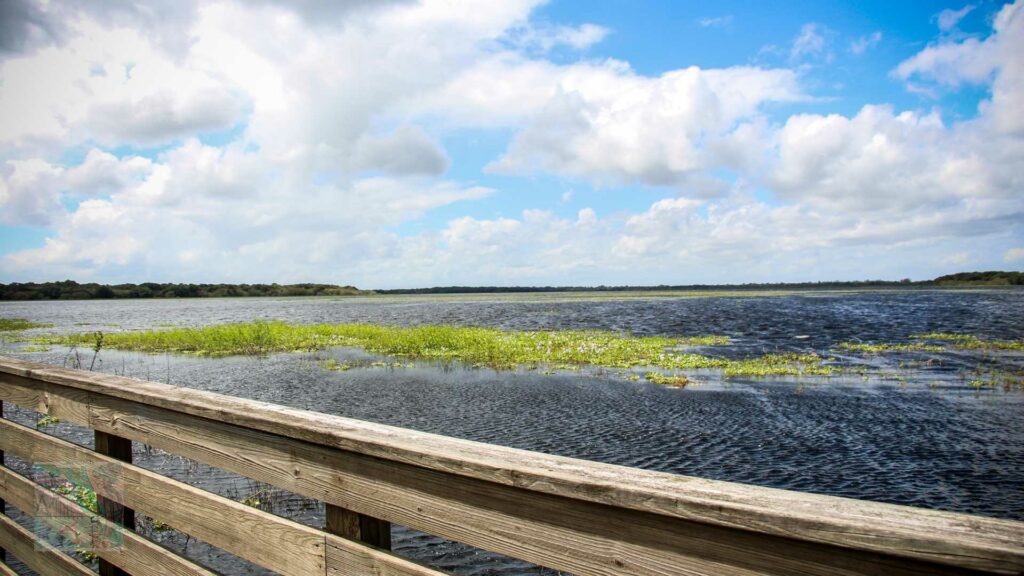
567 514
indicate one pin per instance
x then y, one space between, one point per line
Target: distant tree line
961 279
991 278
71 290
660 287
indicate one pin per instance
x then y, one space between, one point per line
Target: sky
395 144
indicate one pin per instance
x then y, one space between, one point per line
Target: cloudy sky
399 144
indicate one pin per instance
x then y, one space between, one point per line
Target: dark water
916 435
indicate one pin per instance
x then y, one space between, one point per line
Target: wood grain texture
346 558
123 548
3 505
38 555
562 533
356 526
276 543
536 507
279 544
121 449
6 570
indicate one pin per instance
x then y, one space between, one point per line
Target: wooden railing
567 514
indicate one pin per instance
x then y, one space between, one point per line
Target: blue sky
401 144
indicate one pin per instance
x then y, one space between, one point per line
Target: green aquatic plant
888 347
30 349
780 365
557 350
705 341
955 341
674 380
14 324
944 336
81 495
334 365
46 421
159 526
1008 380
1005 345
483 346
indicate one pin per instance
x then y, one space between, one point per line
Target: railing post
3 505
121 449
355 526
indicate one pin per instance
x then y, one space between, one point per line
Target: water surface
917 434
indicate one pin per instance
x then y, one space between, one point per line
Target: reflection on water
922 437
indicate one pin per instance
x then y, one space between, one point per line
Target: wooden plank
3 505
39 555
900 530
121 449
279 544
557 532
356 526
346 558
123 548
6 570
776 520
287 547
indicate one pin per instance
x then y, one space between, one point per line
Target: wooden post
3 505
355 526
121 449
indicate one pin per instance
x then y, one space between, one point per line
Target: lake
912 428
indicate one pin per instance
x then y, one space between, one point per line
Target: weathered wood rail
571 515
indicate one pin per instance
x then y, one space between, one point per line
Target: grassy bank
473 346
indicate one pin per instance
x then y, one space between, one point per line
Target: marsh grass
15 324
559 350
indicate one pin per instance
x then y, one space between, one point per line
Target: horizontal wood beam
282 545
122 548
37 554
558 512
6 570
3 505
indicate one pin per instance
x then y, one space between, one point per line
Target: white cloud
953 63
33 188
112 87
715 22
1014 255
865 43
995 60
545 38
811 43
606 124
949 18
407 150
340 113
957 258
